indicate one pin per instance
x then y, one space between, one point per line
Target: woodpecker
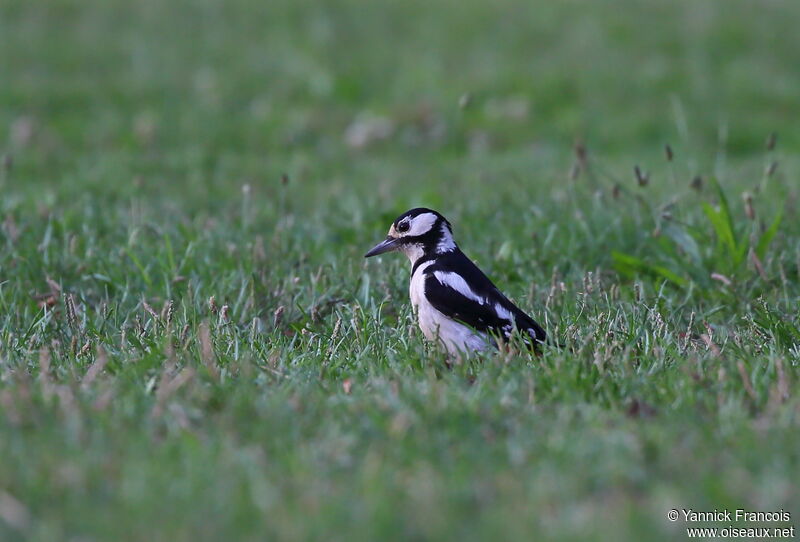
455 302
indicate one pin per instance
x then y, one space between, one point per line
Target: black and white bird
456 304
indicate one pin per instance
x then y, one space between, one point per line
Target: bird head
416 233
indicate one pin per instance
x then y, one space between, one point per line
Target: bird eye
402 227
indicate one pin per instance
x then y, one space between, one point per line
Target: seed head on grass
710 344
772 168
85 349
614 292
277 316
749 211
581 160
689 330
139 327
642 178
758 265
69 306
588 285
580 152
574 171
722 278
167 311
185 335
772 139
334 335
225 314
150 310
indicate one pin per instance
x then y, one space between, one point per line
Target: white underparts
435 326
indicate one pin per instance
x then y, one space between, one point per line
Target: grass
193 348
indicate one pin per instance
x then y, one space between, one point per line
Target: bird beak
387 245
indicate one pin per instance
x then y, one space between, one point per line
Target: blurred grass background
156 154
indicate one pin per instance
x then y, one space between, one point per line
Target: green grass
161 154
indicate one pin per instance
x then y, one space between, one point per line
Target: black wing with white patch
481 305
457 306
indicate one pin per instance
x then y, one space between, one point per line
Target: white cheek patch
457 283
421 224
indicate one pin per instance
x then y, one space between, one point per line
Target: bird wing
470 297
456 305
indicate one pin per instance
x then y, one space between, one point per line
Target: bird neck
419 254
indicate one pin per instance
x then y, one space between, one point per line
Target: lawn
192 346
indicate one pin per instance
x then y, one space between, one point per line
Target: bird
455 302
